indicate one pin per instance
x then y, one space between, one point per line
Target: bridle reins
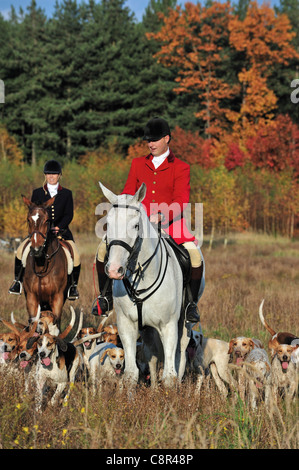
138 273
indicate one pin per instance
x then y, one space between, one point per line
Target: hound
27 354
110 334
284 372
258 376
276 338
8 347
107 361
58 363
239 348
46 324
212 354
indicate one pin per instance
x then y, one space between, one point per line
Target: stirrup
14 284
193 316
73 295
105 307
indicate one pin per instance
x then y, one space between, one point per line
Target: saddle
67 248
183 258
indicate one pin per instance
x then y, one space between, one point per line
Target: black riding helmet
155 129
52 167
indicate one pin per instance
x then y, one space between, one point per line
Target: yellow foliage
14 219
9 149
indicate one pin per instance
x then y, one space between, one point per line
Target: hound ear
10 326
31 341
230 347
62 345
103 356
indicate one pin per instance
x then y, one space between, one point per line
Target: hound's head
239 348
49 347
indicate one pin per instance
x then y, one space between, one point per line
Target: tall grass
238 277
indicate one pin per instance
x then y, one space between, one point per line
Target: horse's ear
108 194
140 195
49 202
26 201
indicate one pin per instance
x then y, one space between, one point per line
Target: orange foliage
9 149
193 40
265 38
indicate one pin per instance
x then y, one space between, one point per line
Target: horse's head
38 224
123 230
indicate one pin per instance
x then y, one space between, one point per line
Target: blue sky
136 6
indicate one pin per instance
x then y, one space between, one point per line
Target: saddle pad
70 263
25 254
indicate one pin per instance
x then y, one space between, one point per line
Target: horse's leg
169 338
57 306
183 341
31 304
128 332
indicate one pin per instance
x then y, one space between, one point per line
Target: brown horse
45 276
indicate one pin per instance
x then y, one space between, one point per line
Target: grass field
238 277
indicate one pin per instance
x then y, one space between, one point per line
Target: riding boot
16 287
73 293
104 302
191 312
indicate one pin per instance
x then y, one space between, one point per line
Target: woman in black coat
61 214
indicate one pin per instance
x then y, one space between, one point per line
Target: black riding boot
105 299
192 313
16 287
73 293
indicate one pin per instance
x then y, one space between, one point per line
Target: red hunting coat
168 184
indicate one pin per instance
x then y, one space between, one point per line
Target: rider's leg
16 287
195 284
73 292
105 299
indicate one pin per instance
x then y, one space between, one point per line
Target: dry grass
237 278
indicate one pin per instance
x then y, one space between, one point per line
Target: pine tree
24 83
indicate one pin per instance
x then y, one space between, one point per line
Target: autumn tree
195 41
265 40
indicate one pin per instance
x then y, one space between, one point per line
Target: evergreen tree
282 77
150 19
22 60
63 79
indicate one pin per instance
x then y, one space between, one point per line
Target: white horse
148 284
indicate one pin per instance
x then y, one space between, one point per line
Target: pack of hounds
45 358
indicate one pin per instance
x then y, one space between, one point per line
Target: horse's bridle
133 250
47 256
41 234
130 287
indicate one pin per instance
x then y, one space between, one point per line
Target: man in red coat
168 188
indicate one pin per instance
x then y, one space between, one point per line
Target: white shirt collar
157 161
53 189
